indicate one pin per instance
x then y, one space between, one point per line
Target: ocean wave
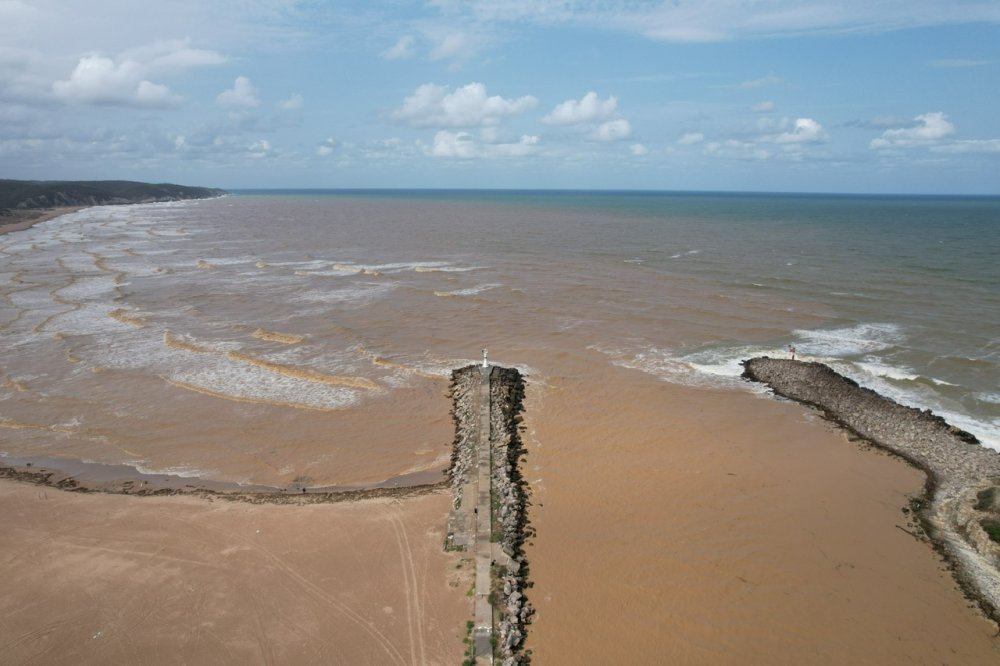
851 340
471 291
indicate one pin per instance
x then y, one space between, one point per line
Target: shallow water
272 337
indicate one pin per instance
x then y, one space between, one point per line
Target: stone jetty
961 508
488 517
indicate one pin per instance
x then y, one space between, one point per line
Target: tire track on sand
315 590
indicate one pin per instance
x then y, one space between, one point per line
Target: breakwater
961 508
488 518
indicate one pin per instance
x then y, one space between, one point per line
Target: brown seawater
278 338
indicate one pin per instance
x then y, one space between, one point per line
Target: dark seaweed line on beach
51 479
960 492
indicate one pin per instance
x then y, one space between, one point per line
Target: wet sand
728 529
97 578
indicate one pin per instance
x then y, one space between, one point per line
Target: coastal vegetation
23 195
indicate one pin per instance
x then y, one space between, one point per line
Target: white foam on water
993 398
89 288
859 339
878 369
354 295
249 383
685 254
470 291
185 471
446 268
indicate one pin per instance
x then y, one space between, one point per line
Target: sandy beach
104 578
25 219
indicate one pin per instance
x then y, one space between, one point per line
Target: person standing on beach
791 350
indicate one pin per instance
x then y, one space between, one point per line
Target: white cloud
463 145
638 149
325 149
174 55
763 82
293 103
721 20
960 62
970 146
242 95
929 129
260 148
588 109
456 46
763 107
100 80
469 106
403 49
805 130
691 138
612 130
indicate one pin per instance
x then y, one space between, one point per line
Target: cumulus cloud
638 149
325 149
691 138
928 129
805 130
403 49
100 80
469 106
588 109
612 130
763 107
260 148
456 46
463 145
293 103
242 95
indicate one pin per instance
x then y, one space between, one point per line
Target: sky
867 96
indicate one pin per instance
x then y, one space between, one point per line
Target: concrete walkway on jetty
482 546
488 513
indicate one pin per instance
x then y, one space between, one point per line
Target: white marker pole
485 362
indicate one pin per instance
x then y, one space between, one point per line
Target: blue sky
770 95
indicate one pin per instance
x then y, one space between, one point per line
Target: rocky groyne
487 413
961 509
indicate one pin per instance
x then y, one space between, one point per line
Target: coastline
86 477
21 220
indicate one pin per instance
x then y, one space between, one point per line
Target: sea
307 336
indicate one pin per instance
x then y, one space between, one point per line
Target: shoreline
20 220
100 478
960 489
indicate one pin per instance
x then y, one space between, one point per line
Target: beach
21 220
677 512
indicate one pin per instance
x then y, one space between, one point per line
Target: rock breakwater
504 501
960 510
